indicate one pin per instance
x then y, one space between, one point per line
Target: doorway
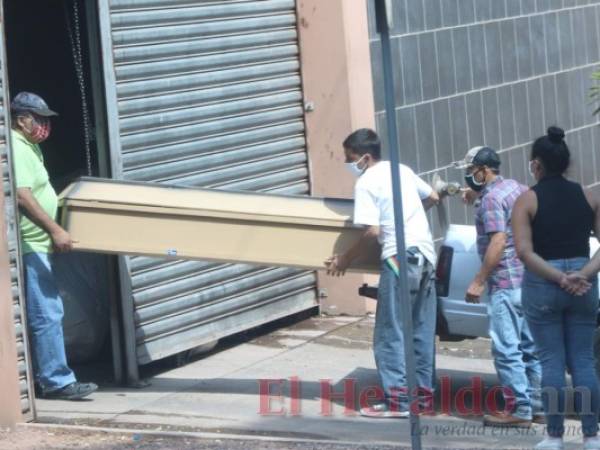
48 53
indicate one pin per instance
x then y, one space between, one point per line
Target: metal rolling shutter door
16 285
26 384
209 95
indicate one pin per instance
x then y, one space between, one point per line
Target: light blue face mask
354 169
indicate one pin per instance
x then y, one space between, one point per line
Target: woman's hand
575 283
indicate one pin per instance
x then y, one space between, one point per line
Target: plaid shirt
494 215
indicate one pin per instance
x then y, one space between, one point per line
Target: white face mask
531 172
354 169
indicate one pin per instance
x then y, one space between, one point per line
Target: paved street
218 395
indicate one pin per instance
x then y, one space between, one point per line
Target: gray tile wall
494 72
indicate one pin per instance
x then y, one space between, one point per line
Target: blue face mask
354 169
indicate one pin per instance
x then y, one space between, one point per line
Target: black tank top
564 220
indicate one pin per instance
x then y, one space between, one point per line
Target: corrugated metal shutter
208 94
27 402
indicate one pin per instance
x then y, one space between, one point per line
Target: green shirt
30 172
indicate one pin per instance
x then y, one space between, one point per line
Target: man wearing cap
517 366
40 236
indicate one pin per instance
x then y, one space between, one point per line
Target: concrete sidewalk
220 394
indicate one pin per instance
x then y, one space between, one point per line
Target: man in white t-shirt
374 209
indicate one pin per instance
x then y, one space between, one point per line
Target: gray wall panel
518 66
443 133
475 119
565 36
466 11
462 59
433 14
411 69
491 123
425 139
445 66
416 15
478 56
459 129
450 13
549 99
493 50
407 136
428 58
552 42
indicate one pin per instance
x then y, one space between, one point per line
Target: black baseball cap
32 103
487 157
480 156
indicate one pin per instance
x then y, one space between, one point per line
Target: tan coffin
183 223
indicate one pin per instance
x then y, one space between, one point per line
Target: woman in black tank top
552 224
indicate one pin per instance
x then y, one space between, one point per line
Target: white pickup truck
458 262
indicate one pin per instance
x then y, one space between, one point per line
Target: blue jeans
388 338
44 316
563 329
517 365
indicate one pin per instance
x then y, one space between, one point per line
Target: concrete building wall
493 72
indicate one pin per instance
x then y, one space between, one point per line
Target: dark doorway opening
48 53
42 41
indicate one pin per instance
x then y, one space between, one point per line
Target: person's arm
338 264
592 268
469 196
432 200
491 259
428 196
522 215
30 207
366 213
492 213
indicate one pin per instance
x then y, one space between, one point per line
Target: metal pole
403 291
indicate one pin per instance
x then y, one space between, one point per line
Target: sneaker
540 419
505 420
550 443
73 391
591 443
383 411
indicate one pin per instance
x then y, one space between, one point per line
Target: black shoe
73 391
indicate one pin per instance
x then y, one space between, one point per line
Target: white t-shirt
373 205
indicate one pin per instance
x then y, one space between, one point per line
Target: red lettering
295 394
374 393
266 397
347 395
476 392
492 405
446 395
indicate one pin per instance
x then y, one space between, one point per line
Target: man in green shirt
40 236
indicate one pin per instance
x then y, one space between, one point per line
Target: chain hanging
74 31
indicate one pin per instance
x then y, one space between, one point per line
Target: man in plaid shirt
517 366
